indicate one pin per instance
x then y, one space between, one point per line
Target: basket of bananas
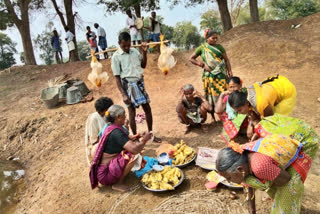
183 155
167 179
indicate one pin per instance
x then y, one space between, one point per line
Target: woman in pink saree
115 155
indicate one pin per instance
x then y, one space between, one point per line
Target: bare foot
120 187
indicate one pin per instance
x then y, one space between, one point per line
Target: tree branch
54 2
12 13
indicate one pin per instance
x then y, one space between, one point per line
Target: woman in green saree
216 66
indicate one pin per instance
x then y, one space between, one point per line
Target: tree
235 8
84 50
124 5
186 35
223 9
289 9
245 18
7 50
17 12
254 12
70 17
211 19
43 43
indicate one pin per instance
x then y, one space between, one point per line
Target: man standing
127 66
102 40
69 39
134 33
155 27
92 39
55 43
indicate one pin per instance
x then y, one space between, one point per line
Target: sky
90 13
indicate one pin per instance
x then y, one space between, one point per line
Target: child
94 124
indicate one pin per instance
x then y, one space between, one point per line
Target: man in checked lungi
127 66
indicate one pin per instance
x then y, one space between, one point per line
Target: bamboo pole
115 49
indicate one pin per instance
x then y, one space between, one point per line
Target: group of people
276 158
154 28
56 45
99 38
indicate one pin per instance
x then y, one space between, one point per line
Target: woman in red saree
115 155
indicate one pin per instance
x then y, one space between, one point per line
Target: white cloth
71 46
130 22
93 126
69 36
101 32
156 26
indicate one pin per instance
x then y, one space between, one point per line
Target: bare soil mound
50 143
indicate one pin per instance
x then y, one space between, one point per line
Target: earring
243 174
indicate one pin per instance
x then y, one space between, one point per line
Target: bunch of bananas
182 153
164 180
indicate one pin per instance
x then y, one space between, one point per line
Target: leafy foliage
8 20
7 50
186 35
123 5
211 19
289 9
244 17
43 43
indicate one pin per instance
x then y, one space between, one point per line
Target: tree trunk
225 15
137 10
23 26
71 24
27 45
254 11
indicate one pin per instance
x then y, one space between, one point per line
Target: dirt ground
52 140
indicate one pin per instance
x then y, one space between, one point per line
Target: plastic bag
97 77
166 61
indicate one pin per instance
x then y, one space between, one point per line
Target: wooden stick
115 49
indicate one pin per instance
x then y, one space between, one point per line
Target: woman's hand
229 74
250 131
206 68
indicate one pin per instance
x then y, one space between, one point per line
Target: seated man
116 152
192 108
94 124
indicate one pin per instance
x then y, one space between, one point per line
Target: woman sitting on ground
115 155
276 164
192 107
274 95
232 121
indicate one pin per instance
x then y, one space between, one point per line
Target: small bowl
158 168
163 158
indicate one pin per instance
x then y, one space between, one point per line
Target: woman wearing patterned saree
277 163
274 95
233 122
216 66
